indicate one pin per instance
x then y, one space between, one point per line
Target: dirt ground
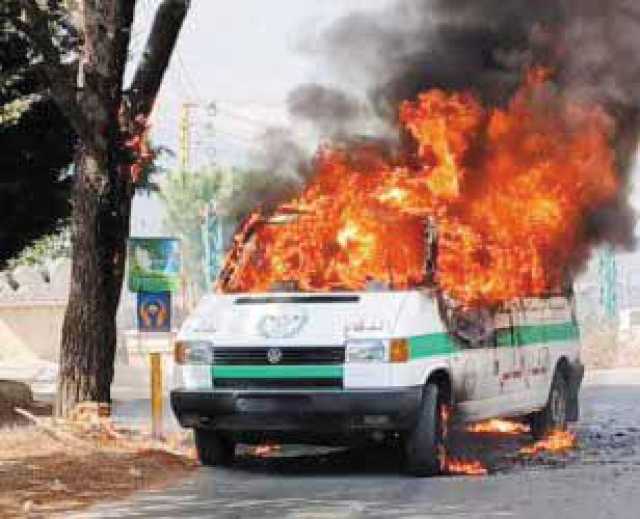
42 475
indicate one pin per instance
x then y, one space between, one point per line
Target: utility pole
185 139
192 115
608 282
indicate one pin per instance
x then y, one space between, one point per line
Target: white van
339 367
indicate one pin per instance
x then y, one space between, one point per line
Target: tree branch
61 82
155 58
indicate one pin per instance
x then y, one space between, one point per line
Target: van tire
425 445
553 417
214 450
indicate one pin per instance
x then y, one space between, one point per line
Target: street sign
154 264
154 312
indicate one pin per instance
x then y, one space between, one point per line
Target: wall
32 305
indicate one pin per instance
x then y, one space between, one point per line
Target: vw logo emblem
274 355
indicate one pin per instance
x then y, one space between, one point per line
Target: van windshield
280 253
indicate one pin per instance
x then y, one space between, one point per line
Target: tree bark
100 226
103 188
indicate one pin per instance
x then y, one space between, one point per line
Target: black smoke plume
485 45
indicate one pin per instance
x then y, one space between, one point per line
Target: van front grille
296 355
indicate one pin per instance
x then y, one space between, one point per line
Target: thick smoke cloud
280 170
330 109
484 45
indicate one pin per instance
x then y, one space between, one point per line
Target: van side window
474 328
471 327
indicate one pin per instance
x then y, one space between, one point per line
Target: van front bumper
309 412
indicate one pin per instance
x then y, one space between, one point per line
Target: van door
472 366
489 367
532 338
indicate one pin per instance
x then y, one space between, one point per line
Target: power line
235 115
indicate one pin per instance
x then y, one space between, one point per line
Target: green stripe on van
286 372
431 345
547 333
435 344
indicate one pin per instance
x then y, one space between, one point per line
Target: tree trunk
101 214
106 119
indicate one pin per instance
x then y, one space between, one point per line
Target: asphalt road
601 479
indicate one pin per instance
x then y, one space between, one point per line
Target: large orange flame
510 189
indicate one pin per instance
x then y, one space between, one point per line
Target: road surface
601 479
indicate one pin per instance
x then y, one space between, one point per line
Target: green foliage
186 197
37 146
236 193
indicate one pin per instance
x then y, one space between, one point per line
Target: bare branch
155 58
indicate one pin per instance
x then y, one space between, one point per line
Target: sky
243 57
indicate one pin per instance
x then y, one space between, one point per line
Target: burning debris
265 450
456 466
498 426
556 442
464 468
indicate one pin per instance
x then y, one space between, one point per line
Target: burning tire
554 415
213 450
425 445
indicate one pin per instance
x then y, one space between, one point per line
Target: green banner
154 264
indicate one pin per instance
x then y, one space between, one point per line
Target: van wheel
553 417
214 450
425 445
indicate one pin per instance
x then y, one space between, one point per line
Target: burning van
340 366
410 281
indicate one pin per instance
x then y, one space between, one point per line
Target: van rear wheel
553 417
425 445
214 450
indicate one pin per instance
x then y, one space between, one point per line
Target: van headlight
368 350
194 352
